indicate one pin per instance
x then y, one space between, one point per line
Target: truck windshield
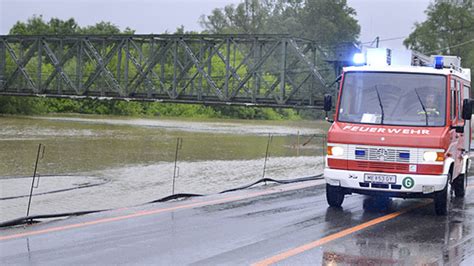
393 99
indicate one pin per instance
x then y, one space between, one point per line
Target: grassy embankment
42 106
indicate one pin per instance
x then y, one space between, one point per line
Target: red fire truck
400 131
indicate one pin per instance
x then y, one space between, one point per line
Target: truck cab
400 131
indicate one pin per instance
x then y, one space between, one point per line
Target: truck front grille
382 154
363 165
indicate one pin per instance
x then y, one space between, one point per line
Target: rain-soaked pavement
285 224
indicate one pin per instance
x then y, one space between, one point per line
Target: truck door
457 140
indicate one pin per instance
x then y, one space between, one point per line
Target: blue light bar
404 155
439 62
359 59
359 152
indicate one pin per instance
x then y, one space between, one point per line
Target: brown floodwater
96 162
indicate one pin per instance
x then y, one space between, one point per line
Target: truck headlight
432 156
335 151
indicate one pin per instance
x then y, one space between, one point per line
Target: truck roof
463 73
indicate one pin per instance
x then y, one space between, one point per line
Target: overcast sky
384 18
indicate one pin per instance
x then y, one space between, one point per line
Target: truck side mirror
327 102
328 106
466 109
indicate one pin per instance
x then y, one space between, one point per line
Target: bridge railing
255 70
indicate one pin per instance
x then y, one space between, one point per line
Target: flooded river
95 162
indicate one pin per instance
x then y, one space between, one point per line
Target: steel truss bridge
251 70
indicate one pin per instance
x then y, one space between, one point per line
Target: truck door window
466 90
459 91
453 100
393 99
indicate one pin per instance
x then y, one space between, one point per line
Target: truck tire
459 186
334 196
441 199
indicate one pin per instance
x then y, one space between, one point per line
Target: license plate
381 179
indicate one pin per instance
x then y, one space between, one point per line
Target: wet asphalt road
247 227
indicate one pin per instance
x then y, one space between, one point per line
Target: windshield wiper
380 103
422 106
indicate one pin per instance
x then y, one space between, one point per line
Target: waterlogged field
99 162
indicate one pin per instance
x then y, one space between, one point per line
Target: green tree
248 17
36 25
448 29
328 22
104 28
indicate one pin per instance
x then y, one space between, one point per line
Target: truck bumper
353 181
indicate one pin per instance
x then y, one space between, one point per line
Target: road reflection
418 237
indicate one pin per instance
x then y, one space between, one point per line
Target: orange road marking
329 238
151 212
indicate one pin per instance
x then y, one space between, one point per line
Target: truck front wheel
441 199
459 186
334 196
